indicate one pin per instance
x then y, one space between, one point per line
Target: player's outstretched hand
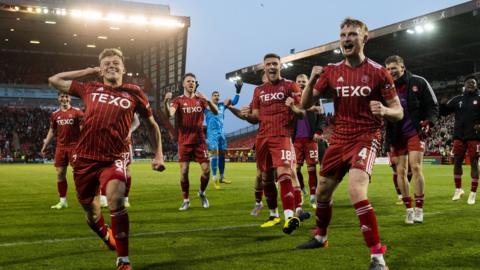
196 86
168 95
238 86
316 71
377 108
158 165
289 102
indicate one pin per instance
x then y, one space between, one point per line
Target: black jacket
422 104
467 114
316 122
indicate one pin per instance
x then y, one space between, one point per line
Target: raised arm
47 140
308 94
211 106
238 113
62 81
169 110
238 89
299 113
155 138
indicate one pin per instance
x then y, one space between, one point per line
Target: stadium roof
84 27
441 45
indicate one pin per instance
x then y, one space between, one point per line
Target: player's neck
277 80
355 60
113 84
65 107
188 94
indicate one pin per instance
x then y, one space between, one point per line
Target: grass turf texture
32 236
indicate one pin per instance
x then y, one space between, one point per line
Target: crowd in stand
22 131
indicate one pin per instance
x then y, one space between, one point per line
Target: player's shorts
193 152
470 147
63 156
274 152
90 176
306 150
217 142
359 153
406 145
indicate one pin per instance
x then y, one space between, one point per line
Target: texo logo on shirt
272 96
191 109
108 99
62 122
353 91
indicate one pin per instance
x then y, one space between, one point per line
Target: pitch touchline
51 241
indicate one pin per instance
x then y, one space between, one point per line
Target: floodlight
34 42
429 27
419 29
410 31
337 51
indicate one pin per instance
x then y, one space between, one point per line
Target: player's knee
115 201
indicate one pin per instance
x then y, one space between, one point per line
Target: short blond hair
302 76
111 52
354 22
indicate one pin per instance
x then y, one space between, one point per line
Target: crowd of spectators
22 131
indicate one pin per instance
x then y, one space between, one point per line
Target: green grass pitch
225 236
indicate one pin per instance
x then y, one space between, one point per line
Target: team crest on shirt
281 89
125 94
340 79
414 88
100 89
185 104
365 79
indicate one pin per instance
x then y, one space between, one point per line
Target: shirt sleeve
204 104
80 116
322 83
387 86
53 123
255 100
77 89
143 106
174 103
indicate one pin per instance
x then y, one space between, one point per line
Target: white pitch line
59 240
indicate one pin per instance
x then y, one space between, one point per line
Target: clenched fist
377 108
316 71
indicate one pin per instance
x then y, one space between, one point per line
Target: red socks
368 223
204 182
419 201
324 215
120 229
62 188
407 201
185 188
458 180
286 191
99 227
271 194
474 185
312 179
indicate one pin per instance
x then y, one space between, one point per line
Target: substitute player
407 137
98 160
217 142
66 123
306 135
273 104
466 134
360 88
189 110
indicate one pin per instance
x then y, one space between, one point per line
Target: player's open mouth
272 72
348 47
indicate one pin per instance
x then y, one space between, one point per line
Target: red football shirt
108 117
276 119
352 89
67 125
189 119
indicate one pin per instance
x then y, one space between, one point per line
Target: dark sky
226 35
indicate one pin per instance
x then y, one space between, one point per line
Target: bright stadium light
29 9
410 31
116 28
34 42
429 27
76 13
115 17
91 46
12 30
45 10
167 23
16 8
234 78
337 51
63 12
50 22
92 15
38 10
102 37
141 20
419 29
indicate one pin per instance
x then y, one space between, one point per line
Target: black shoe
304 216
291 225
313 243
